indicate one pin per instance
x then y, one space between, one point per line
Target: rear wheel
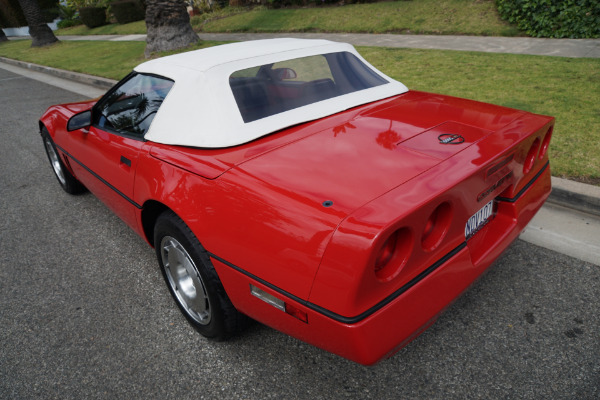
193 281
66 180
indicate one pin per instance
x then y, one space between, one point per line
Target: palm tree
168 26
41 34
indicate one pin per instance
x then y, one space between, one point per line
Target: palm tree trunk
168 26
41 34
3 37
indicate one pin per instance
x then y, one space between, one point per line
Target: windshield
270 89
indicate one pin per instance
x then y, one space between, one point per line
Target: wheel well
150 212
42 127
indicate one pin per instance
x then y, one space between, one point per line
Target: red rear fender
426 217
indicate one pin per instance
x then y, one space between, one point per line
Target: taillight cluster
546 143
395 251
537 151
436 227
531 156
393 254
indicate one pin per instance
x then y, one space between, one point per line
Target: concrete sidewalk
575 48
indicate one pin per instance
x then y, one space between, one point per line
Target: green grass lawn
132 28
566 88
443 17
111 60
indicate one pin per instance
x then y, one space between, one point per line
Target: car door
107 153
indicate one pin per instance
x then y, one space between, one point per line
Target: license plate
479 219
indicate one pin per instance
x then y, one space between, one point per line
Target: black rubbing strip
256 278
531 182
370 311
100 178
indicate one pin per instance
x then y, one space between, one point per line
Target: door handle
126 161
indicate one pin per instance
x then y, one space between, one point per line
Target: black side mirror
81 120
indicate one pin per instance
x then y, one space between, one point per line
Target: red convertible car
291 182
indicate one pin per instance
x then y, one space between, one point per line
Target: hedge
93 17
553 18
126 11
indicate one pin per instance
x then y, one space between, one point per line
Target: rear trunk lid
377 149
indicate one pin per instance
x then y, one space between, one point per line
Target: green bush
69 16
93 16
86 3
305 3
126 11
285 3
67 23
553 18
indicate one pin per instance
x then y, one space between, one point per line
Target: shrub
69 16
67 23
86 3
67 12
553 18
92 16
126 11
285 3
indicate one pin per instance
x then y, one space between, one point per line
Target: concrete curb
575 195
571 194
96 81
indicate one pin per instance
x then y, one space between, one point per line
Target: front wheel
193 281
67 181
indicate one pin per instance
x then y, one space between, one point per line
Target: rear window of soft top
270 89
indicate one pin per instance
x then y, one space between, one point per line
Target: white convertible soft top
201 111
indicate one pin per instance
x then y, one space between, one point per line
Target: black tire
193 281
67 181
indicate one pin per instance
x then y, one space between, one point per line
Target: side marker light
279 304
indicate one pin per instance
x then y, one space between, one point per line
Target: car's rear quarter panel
457 181
250 224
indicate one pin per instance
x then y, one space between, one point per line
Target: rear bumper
369 338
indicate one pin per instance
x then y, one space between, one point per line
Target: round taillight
393 254
386 253
531 156
545 143
436 227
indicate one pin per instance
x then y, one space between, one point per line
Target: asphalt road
85 313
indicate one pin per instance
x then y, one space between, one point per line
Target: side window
130 108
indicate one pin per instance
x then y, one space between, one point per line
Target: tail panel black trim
367 313
531 182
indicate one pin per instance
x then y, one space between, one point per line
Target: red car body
357 221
